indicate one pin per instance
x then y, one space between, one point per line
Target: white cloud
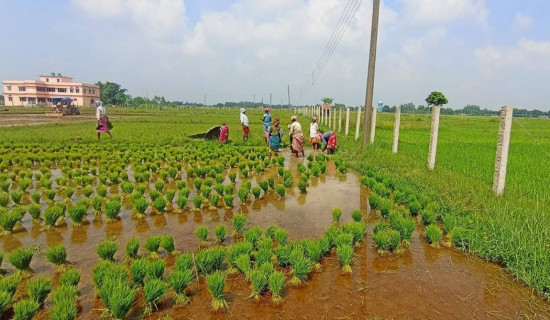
443 11
526 54
523 22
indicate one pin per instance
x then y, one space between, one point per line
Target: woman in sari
274 133
297 136
102 119
224 133
314 133
332 144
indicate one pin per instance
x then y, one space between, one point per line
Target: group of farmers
273 133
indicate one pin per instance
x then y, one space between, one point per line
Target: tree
436 98
327 100
109 92
2 102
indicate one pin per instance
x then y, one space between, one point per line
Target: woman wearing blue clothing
267 123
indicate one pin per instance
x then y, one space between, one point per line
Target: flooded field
422 282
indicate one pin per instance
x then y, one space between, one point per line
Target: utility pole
288 90
370 77
254 98
270 96
205 100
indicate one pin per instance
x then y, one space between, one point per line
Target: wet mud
421 283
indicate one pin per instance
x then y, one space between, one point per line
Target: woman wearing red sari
224 133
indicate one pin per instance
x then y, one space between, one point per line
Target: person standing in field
274 133
245 124
267 122
314 133
329 141
224 133
102 119
297 136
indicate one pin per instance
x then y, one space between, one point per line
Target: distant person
267 122
102 119
297 136
329 142
314 135
274 133
245 124
224 133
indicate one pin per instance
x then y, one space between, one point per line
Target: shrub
39 289
433 234
21 259
138 270
152 245
167 242
132 247
239 221
77 214
276 285
281 191
301 266
155 269
179 280
112 209
71 277
220 232
184 262
336 214
216 286
57 255
25 309
345 255
107 249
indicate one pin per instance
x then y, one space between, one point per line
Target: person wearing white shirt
245 124
102 119
314 133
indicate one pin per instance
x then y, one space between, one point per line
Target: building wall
32 92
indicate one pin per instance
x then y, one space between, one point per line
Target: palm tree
327 100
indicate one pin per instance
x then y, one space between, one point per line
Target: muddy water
421 283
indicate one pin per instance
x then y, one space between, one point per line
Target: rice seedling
197 202
138 270
281 236
184 262
385 207
5 301
403 225
314 252
132 247
4 199
428 217
8 220
65 309
77 214
71 277
344 238
263 256
216 286
197 182
220 231
281 191
69 192
112 209
35 197
356 215
264 185
179 280
39 289
101 191
460 237
155 269
302 186
228 200
152 245
160 205
97 203
202 233
433 235
182 201
239 221
266 243
9 283
117 295
276 284
253 235
259 280
16 196
57 255
336 215
381 190
205 191
243 194
301 267
256 191
167 243
375 202
210 259
25 309
324 245
141 205
5 185
87 191
237 249
357 230
387 240
345 255
154 195
21 258
106 250
214 200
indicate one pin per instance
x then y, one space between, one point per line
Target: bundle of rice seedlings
281 236
220 232
216 286
263 256
8 220
101 191
21 259
9 283
357 230
155 269
219 187
71 277
57 255
403 225
387 240
324 245
152 245
229 189
160 204
302 185
154 195
276 284
259 280
184 192
460 237
214 200
153 291
281 191
197 182
314 252
140 205
25 309
242 262
429 216
97 202
69 192
112 209
385 207
138 270
433 235
132 247
182 201
375 202
87 191
5 301
243 194
237 249
301 267
107 249
253 235
16 196
210 259
127 187
356 215
197 202
265 243
345 254
264 185
35 197
179 280
228 200
202 233
117 295
184 262
77 214
336 215
239 221
63 309
39 289
344 238
167 242
4 199
205 191
256 191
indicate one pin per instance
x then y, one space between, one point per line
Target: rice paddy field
155 225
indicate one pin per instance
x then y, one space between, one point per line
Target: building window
47 79
49 99
32 99
41 100
77 90
84 90
72 89
57 80
22 88
61 89
41 89
8 88
50 89
22 98
10 99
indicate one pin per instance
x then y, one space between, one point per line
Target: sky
490 53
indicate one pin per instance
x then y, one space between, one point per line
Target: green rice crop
239 221
64 309
265 243
313 250
281 236
301 266
385 207
237 249
154 195
35 197
167 243
202 233
228 200
242 262
97 203
253 235
264 185
160 204
197 202
403 225
387 240
16 196
5 301
276 284
356 215
155 269
8 220
179 280
256 191
358 230
259 280
107 249
184 262
460 237
39 289
138 270
220 231
214 200
210 260
9 283
433 234
117 295
69 192
345 255
25 309
132 247
182 200
302 186
216 286
344 238
87 191
57 255
243 194
263 256
205 191
4 199
152 245
77 214
375 202
71 277
21 259
336 214
112 209
281 191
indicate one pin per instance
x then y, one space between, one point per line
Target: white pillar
347 121
503 146
358 123
436 110
396 129
373 125
340 120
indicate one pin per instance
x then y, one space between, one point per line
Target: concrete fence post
503 146
373 125
436 110
358 123
329 118
320 116
334 119
347 121
340 120
396 129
